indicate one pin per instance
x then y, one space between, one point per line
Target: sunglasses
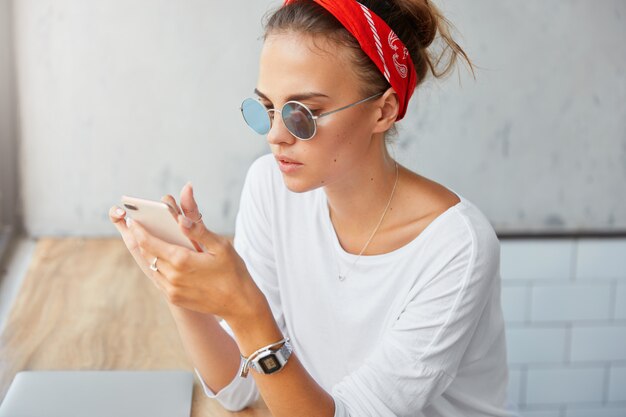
298 118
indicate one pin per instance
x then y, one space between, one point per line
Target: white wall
133 97
138 97
539 141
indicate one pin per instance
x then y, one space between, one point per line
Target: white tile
598 343
536 345
515 385
596 412
601 258
534 259
552 412
617 383
620 304
564 385
569 301
514 303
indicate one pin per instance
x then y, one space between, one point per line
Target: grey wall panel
138 97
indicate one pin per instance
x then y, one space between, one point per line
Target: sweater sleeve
417 358
254 244
238 394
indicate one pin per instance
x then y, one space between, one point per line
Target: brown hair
416 22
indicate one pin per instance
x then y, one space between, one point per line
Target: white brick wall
620 302
564 385
596 412
536 344
601 343
599 258
617 390
564 302
515 298
543 413
540 260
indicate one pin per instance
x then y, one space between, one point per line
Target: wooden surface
84 304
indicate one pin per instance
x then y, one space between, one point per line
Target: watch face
269 364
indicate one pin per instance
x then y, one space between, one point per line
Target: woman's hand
116 215
214 281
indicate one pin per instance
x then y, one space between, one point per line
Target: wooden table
84 304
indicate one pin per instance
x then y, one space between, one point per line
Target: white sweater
414 332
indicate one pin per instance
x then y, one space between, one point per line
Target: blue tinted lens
298 120
255 115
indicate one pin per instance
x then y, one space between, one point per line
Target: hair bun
418 23
420 16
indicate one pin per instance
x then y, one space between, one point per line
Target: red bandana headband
379 42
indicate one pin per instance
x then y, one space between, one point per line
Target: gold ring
153 265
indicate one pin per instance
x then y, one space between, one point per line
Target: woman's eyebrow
297 97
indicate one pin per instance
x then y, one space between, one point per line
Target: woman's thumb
197 231
188 203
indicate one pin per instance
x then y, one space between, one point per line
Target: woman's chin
299 186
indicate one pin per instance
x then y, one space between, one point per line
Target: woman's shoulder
453 221
467 230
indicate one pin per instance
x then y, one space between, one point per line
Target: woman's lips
286 159
287 165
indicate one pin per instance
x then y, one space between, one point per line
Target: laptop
99 394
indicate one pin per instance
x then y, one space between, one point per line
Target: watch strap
282 355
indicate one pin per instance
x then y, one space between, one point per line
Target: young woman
355 287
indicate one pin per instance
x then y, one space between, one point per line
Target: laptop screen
99 394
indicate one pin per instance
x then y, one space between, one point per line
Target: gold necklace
342 277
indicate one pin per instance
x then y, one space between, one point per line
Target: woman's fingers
171 259
157 277
189 205
117 217
196 231
161 282
169 199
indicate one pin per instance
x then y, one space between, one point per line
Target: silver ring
153 265
199 218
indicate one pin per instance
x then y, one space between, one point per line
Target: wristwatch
267 360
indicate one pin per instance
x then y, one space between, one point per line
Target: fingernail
129 221
190 186
119 211
186 222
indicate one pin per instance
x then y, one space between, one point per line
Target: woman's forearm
215 354
292 391
211 350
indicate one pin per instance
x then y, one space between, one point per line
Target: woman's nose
278 131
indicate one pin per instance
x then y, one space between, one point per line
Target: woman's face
293 67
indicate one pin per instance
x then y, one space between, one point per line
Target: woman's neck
357 201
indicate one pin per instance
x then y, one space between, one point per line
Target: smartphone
159 218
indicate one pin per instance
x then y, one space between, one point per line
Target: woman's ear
388 111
